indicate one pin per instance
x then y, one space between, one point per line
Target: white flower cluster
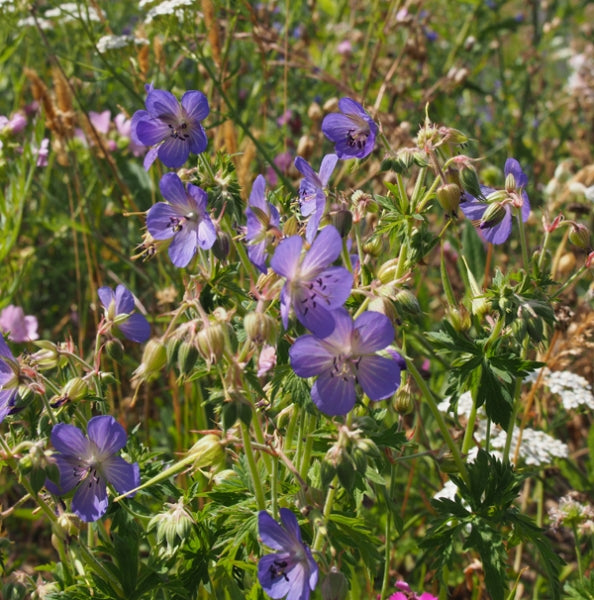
168 7
537 448
71 11
114 42
573 389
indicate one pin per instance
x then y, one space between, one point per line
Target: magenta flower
262 217
352 130
492 215
313 288
8 380
312 197
292 571
346 357
42 153
20 327
119 311
173 129
88 464
185 219
405 593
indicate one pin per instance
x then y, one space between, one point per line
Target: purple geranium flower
312 196
291 571
492 215
352 130
185 219
8 380
88 464
313 288
119 310
345 357
173 128
262 217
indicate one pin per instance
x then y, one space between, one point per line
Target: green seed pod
187 356
470 182
114 349
260 327
359 460
374 246
448 196
327 473
207 451
579 235
211 342
75 389
291 226
154 358
406 303
494 214
403 402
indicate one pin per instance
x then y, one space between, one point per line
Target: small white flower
113 42
169 7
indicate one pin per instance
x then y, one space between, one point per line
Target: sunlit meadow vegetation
296 299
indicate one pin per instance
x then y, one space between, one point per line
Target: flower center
345 367
315 291
179 130
357 138
277 569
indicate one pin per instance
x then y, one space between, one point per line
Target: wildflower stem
470 426
578 552
577 275
523 242
428 396
252 466
445 280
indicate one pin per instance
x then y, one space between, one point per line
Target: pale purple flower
492 215
8 380
266 360
20 327
283 162
312 195
87 464
119 311
262 217
346 357
291 571
173 129
42 153
352 130
185 219
100 121
15 124
313 288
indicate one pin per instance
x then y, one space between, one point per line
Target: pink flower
20 328
407 594
100 121
42 153
124 127
15 124
267 360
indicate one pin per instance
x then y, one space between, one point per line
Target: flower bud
388 270
187 356
343 221
211 342
222 245
114 349
385 306
406 303
374 246
494 214
359 459
75 389
260 327
46 358
579 236
448 196
403 402
207 451
173 526
154 358
314 112
510 182
470 182
335 586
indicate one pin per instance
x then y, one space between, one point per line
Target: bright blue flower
119 311
312 195
291 571
8 380
352 130
313 288
88 464
173 129
185 219
262 219
346 357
